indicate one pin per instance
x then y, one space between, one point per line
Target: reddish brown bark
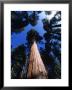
36 67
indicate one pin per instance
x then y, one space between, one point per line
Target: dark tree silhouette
33 18
18 20
38 12
46 24
18 59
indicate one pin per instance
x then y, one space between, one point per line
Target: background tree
19 19
53 44
18 57
33 18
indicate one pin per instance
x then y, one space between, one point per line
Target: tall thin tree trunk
36 67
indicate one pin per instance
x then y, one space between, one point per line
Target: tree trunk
36 67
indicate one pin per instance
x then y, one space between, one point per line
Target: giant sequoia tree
36 67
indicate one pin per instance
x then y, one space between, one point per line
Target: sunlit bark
36 67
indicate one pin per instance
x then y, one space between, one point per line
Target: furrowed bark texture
36 67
